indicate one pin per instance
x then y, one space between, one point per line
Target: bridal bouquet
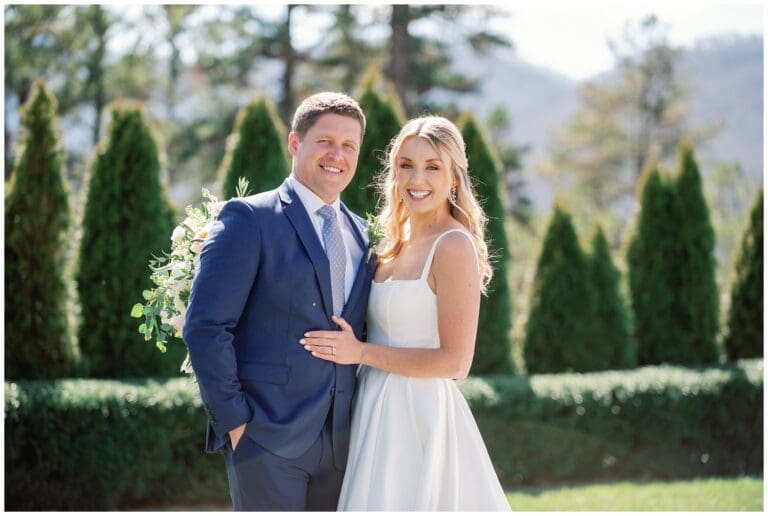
165 306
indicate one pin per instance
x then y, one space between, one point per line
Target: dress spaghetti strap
431 255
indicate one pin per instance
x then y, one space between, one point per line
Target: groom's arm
225 275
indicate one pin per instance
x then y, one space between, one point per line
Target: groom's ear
293 142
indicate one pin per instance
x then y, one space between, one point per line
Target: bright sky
570 37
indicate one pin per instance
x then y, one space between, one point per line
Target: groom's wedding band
333 350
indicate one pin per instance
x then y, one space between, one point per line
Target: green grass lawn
728 494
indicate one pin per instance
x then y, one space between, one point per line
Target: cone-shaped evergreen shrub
36 219
382 124
493 350
611 343
127 220
697 299
650 258
671 270
558 333
255 150
745 315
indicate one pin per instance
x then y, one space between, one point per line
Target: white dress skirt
414 443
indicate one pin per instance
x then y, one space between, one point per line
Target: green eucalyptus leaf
137 310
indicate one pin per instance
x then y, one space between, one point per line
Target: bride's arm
457 286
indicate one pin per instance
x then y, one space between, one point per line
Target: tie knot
327 212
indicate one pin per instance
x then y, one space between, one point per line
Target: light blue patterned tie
337 256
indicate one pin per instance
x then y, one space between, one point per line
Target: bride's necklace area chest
408 265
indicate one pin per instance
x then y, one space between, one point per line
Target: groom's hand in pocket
235 434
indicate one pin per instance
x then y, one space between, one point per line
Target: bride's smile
423 176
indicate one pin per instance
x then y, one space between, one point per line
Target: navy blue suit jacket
263 280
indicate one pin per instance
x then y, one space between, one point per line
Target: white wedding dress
414 443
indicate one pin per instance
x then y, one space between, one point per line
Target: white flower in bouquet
178 233
165 307
177 321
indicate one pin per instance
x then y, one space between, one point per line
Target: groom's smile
330 169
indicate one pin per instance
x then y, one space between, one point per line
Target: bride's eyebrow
430 160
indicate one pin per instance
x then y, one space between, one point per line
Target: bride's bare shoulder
455 252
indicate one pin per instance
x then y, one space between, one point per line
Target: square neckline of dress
428 262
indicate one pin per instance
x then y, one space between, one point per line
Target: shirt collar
309 199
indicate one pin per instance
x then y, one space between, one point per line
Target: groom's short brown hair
323 103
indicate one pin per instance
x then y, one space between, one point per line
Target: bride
414 443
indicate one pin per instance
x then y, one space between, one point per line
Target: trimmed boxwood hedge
103 444
656 422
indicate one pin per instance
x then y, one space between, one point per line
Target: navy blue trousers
262 481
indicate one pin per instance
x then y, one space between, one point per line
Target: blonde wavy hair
446 138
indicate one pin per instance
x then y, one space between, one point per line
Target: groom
275 265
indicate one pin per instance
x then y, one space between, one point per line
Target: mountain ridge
725 74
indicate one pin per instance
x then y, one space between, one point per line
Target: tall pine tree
36 221
383 122
559 330
493 352
127 220
745 315
671 270
697 298
255 150
650 258
611 342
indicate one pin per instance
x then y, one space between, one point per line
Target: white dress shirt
312 203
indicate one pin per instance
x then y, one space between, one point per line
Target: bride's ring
333 350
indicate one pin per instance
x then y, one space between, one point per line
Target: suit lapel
298 216
362 239
363 275
362 268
